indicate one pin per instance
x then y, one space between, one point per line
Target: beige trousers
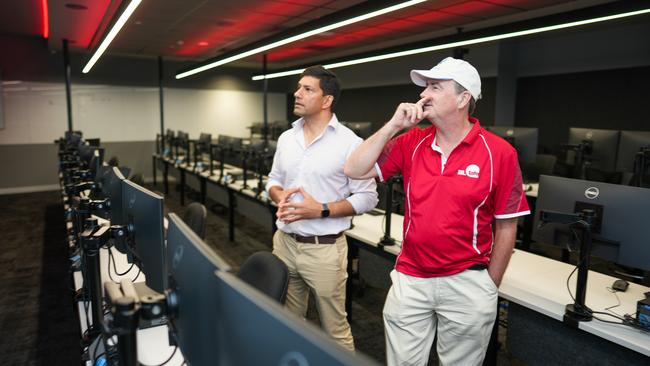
461 308
321 268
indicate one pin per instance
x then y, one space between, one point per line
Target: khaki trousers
461 308
321 268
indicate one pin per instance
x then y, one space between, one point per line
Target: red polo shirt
450 206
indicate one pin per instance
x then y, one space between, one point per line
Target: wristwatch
325 212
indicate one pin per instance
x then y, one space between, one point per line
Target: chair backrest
195 217
137 178
267 273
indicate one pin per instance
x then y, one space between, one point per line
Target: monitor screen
96 162
631 143
523 139
182 139
191 266
622 226
143 215
112 189
361 129
603 150
243 311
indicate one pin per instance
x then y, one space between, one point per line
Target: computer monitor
112 189
182 138
523 139
143 216
604 146
622 226
191 267
232 146
218 316
248 317
96 162
631 143
203 143
361 129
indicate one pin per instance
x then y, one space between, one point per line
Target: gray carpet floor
37 320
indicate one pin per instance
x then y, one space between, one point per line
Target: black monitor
622 226
112 189
523 139
603 146
204 140
143 216
631 143
96 162
247 316
361 129
191 266
231 145
182 138
218 316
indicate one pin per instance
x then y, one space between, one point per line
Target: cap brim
420 77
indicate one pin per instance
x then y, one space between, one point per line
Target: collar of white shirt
299 125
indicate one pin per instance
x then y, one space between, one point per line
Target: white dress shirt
318 168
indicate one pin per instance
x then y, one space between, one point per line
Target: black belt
477 267
316 239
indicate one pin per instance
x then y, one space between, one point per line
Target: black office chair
114 161
195 217
267 273
138 179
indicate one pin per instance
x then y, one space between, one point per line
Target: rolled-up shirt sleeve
363 192
277 174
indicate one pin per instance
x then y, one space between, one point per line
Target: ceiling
200 29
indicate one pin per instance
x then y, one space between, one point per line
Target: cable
138 275
112 259
164 363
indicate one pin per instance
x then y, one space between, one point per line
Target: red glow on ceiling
46 19
412 20
203 43
247 22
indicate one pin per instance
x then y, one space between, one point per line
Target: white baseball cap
451 69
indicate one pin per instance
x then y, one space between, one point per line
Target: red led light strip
46 20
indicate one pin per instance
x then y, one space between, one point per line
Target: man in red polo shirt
461 182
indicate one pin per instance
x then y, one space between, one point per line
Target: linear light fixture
46 19
111 35
457 44
298 37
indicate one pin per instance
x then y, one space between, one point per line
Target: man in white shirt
316 201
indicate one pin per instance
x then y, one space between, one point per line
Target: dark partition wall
609 99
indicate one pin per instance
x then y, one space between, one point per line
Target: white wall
36 112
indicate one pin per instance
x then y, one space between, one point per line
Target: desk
153 343
230 194
539 284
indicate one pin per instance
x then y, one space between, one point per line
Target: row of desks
535 282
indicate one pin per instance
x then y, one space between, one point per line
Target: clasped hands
289 212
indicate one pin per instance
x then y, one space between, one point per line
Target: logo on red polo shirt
471 171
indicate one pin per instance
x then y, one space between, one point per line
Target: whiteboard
36 112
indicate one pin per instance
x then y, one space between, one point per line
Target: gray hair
472 101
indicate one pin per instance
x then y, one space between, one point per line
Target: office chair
267 273
195 217
114 161
138 179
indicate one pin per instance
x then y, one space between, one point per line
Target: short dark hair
327 80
